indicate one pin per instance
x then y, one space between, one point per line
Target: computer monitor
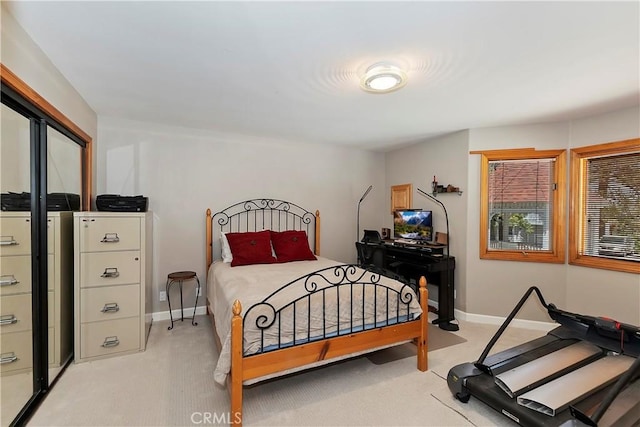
413 224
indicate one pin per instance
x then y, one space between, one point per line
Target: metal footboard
330 302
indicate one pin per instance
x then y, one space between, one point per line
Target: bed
289 309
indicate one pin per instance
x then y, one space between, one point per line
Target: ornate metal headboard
261 214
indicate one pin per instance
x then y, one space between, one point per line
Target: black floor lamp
358 219
444 323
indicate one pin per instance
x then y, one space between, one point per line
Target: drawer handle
8 280
8 241
110 272
8 319
110 238
8 358
111 307
110 342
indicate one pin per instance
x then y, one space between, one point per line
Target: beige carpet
438 339
171 384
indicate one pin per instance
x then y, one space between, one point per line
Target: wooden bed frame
253 366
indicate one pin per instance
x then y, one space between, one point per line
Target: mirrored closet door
16 346
43 180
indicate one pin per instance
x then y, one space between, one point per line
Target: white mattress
251 284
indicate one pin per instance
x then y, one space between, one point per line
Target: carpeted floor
171 384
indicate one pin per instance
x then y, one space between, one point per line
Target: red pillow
291 246
250 248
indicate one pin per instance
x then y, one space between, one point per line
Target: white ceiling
290 70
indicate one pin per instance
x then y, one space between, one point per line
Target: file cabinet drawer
15 274
109 268
15 236
113 336
109 234
17 351
109 302
15 313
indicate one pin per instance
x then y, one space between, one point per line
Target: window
522 200
605 206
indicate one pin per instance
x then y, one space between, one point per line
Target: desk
412 262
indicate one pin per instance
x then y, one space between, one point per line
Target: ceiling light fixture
383 78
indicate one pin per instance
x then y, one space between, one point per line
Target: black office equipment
371 236
117 203
63 202
15 201
21 202
548 393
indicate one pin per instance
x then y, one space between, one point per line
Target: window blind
612 206
521 204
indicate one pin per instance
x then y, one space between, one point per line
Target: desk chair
371 255
374 257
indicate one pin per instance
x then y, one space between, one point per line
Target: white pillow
226 250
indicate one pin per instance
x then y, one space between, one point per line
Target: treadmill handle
480 363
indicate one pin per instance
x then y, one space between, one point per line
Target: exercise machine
582 373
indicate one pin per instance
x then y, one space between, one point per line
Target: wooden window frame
579 158
557 222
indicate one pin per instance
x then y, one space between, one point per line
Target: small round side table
180 277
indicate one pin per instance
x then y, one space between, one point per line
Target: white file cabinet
16 290
113 277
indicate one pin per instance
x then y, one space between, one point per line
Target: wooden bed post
235 389
423 363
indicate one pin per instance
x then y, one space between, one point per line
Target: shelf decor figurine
436 188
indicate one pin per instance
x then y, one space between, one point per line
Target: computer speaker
386 234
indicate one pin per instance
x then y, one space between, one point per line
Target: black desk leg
445 302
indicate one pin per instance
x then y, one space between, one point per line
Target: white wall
185 171
15 161
494 287
25 59
445 157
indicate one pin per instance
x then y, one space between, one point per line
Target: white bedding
251 284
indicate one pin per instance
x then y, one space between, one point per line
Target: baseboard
188 312
497 320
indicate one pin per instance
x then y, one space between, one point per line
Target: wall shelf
449 189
